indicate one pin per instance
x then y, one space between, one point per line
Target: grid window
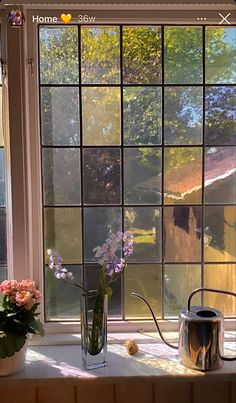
138 134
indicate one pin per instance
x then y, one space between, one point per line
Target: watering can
201 334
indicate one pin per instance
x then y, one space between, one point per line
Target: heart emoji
66 18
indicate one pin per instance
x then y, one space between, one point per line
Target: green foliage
15 323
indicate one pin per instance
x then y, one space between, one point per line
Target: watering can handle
216 291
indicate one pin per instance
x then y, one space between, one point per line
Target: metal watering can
201 334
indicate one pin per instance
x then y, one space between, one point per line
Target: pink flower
23 298
8 286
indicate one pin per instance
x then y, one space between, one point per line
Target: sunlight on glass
144 223
183 175
220 276
220 234
100 55
183 115
183 55
60 116
142 108
144 279
101 116
220 55
220 175
59 63
142 55
63 232
179 281
182 228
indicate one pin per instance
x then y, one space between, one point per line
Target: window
137 133
3 232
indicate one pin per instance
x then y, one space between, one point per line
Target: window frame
30 263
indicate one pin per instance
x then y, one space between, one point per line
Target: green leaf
10 343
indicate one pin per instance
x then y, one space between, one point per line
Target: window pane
99 222
220 115
2 178
142 55
101 176
145 225
62 227
220 178
183 175
101 116
91 281
3 237
220 55
61 174
145 280
220 276
142 175
1 131
220 234
3 273
182 229
142 115
58 61
60 116
183 115
62 300
183 55
179 281
100 55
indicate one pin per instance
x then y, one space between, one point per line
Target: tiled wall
141 391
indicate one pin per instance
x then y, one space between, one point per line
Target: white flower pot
13 365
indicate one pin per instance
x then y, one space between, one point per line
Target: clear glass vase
94 307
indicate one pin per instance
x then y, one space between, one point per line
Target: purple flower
56 266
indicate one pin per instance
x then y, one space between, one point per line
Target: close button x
224 19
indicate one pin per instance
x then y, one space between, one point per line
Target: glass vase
94 307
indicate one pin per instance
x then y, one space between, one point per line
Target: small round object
131 346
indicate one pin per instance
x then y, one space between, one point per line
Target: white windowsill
154 360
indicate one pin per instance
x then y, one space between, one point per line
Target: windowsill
154 360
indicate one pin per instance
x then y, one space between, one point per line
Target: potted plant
18 318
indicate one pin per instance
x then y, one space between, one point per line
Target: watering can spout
134 294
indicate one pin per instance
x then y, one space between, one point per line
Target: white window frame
25 237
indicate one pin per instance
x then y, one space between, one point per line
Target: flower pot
15 363
94 306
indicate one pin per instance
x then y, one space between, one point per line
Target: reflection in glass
183 115
101 116
1 131
220 55
183 55
59 62
60 116
62 300
142 175
182 234
179 281
220 276
220 234
2 178
142 55
220 115
144 279
142 115
61 175
183 175
62 228
100 55
91 276
3 237
220 175
144 223
99 222
3 273
101 175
